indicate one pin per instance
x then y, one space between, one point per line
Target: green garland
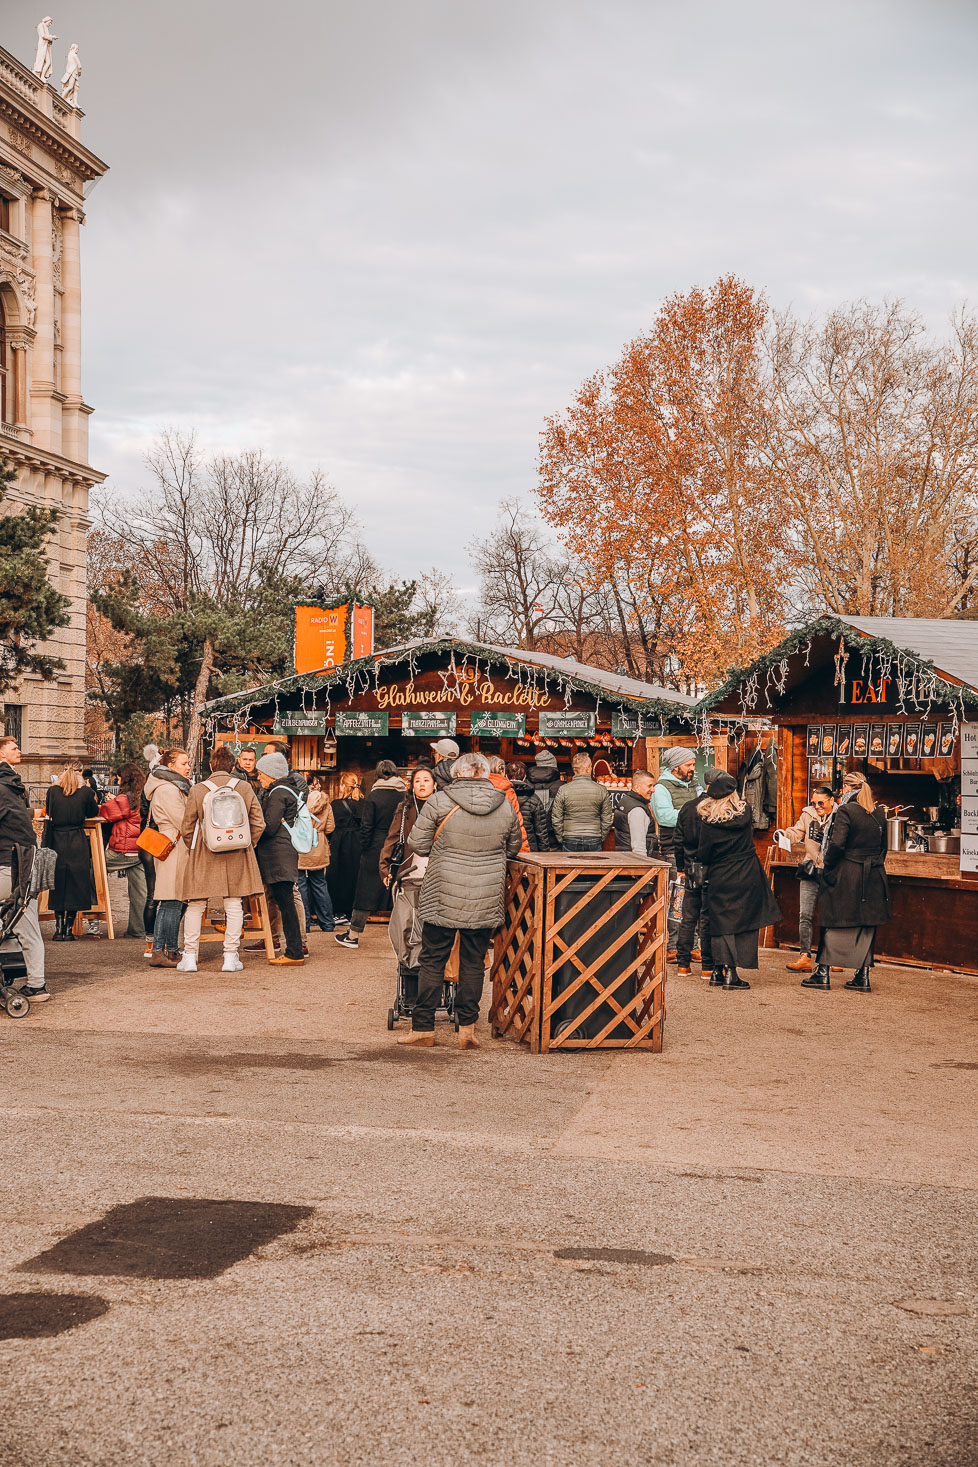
854 641
347 671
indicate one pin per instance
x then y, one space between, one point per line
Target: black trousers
283 893
436 948
694 911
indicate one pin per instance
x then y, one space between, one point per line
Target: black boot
717 977
59 927
734 980
69 924
860 983
819 979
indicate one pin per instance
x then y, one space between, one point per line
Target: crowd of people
254 825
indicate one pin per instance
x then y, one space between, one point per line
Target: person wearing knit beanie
276 766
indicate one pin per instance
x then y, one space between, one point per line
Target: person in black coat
695 912
376 814
853 892
534 816
344 848
69 804
738 896
278 859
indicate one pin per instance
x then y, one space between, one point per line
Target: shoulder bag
396 859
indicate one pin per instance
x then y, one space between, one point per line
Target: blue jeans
316 899
582 843
166 929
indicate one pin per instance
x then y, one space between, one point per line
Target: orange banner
363 630
320 637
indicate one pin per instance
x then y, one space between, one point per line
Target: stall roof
950 646
583 677
946 652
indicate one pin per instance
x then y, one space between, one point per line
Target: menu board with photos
880 740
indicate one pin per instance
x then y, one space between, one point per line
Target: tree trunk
200 697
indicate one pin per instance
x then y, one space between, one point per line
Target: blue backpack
302 831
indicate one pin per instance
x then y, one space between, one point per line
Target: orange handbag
156 844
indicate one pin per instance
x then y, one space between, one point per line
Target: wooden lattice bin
580 959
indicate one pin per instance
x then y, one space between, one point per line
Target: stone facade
44 169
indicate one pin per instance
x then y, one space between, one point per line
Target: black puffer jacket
853 890
535 820
16 827
546 781
465 883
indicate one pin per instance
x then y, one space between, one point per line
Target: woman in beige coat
167 789
218 876
312 866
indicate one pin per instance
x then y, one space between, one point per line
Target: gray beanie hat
276 766
546 759
672 758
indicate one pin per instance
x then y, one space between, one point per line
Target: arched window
6 381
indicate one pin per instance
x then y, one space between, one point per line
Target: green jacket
581 809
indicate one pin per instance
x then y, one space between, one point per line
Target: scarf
172 777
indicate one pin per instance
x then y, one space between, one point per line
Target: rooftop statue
69 82
43 65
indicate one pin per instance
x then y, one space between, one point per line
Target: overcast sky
388 237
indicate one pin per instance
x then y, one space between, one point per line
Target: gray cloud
388 237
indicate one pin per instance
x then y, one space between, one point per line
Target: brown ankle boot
466 1037
418 1038
802 964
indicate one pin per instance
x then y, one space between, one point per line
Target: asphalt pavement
241 1226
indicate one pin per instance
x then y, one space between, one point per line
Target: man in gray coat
468 831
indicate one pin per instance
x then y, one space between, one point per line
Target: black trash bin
593 954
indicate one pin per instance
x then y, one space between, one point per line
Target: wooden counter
935 911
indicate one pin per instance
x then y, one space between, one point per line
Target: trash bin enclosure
580 959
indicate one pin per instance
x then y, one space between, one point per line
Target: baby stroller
404 931
31 871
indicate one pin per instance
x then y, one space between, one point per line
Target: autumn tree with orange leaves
658 471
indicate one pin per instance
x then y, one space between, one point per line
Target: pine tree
30 606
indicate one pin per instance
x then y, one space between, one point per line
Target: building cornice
25 455
19 112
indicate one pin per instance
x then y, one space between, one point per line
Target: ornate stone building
45 171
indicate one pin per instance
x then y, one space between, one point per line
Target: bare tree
437 603
519 579
217 533
873 436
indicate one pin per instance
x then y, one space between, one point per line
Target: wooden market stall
392 704
889 697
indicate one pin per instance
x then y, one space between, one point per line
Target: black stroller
404 932
31 871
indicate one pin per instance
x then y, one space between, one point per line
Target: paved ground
757 1247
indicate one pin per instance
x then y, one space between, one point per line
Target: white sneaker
232 963
187 963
